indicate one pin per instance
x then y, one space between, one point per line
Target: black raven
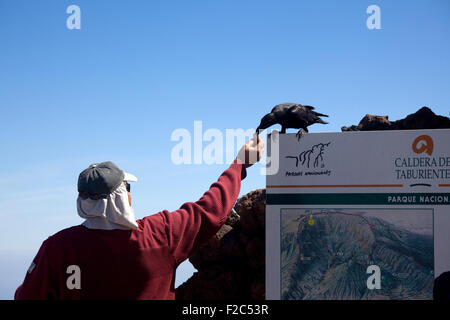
291 115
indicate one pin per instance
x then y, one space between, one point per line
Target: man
112 256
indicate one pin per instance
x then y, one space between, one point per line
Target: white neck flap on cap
114 212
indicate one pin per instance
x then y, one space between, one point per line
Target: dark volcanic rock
231 264
370 122
251 208
424 118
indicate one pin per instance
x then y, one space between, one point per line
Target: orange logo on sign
423 144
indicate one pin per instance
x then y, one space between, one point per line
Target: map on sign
325 253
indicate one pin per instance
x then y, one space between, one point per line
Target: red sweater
130 264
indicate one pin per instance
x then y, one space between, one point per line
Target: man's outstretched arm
196 222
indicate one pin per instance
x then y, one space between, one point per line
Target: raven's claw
300 134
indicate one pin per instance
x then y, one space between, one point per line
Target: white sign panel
358 215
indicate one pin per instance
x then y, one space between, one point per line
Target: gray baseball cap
101 179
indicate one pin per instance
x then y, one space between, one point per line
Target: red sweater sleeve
38 280
196 222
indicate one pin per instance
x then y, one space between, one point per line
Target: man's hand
251 152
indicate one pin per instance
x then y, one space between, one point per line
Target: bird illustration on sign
312 156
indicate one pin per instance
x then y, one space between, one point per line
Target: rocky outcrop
231 264
424 118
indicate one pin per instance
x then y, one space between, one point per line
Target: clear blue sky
138 70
